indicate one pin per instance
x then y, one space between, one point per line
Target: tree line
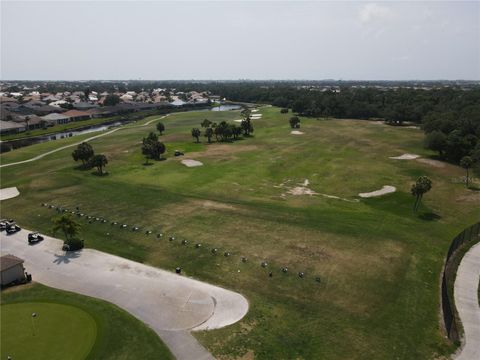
223 131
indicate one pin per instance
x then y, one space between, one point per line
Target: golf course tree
436 141
247 127
99 161
421 186
152 148
83 152
70 229
206 123
196 134
294 122
111 100
160 128
466 162
209 134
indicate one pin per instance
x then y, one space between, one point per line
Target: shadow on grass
96 173
429 216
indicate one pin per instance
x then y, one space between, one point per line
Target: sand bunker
255 110
405 157
191 163
238 120
8 193
386 189
296 132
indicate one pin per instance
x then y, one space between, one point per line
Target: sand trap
256 116
405 157
434 163
296 132
386 189
191 163
238 120
8 193
302 189
255 110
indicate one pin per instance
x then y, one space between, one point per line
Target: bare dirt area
431 162
296 132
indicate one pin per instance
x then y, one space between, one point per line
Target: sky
230 40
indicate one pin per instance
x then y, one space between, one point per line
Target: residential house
55 119
11 127
77 115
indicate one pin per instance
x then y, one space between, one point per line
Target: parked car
34 238
4 223
13 228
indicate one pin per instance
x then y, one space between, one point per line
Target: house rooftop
9 261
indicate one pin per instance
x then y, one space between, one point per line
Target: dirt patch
473 196
405 157
386 189
191 163
434 163
296 132
223 151
207 204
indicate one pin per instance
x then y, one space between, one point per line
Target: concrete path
38 157
170 304
466 302
9 193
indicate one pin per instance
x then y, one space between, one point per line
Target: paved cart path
172 305
466 302
38 157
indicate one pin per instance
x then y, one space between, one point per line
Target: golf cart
4 223
12 228
34 238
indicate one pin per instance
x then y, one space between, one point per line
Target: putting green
57 332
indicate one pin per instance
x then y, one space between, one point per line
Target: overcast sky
240 40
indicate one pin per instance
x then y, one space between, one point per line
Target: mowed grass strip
379 264
71 326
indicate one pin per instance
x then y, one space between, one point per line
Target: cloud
372 12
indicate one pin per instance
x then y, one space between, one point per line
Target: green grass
379 263
58 331
71 326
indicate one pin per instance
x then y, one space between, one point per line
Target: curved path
38 157
466 302
172 305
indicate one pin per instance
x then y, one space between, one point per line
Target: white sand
296 132
8 193
255 110
405 157
191 163
386 189
238 120
301 190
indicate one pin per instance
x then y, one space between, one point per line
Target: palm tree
422 186
67 225
196 133
466 162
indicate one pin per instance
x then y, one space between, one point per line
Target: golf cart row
11 227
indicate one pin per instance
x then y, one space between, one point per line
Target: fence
469 234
